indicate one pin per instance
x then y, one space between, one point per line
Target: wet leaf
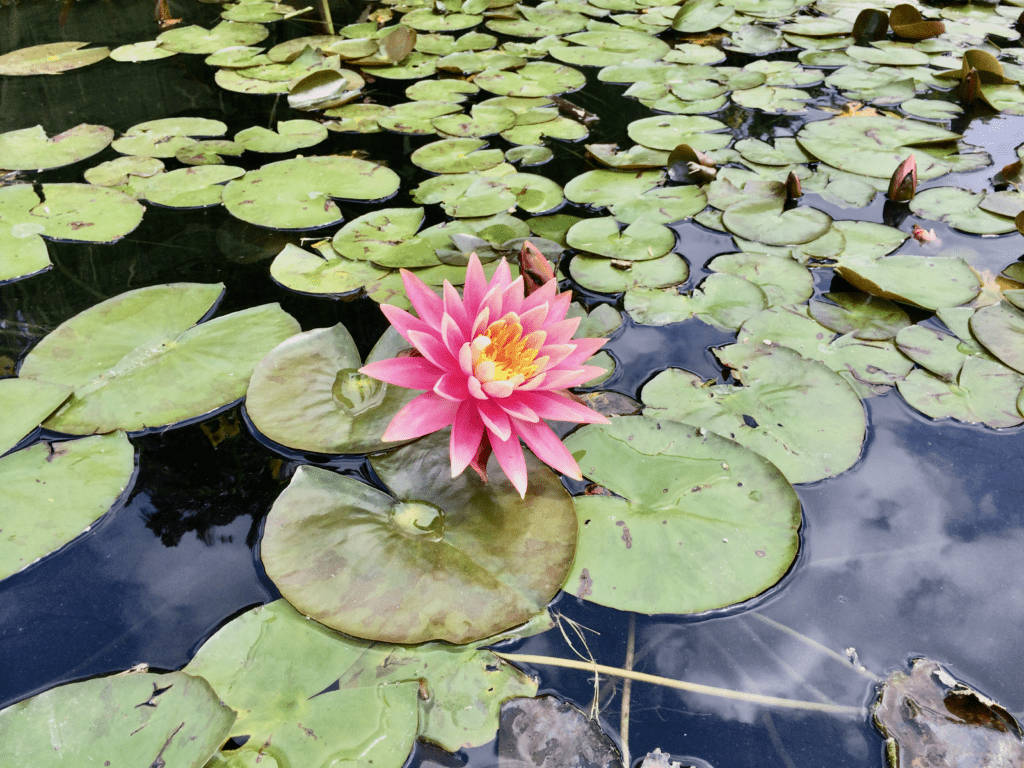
722 300
29 149
26 403
196 39
147 364
767 413
984 392
866 317
129 719
1000 328
457 156
640 241
297 193
54 491
703 522
50 59
325 273
608 276
307 394
165 136
783 280
668 132
197 187
290 135
479 558
924 281
543 732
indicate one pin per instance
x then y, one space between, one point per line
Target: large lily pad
268 649
297 193
196 39
54 491
765 220
722 300
322 273
984 392
703 522
608 276
768 414
25 403
667 132
130 719
477 557
146 364
866 317
308 394
924 281
28 149
165 137
1000 327
875 146
290 135
50 58
640 241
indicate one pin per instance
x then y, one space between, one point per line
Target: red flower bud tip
903 183
923 235
534 267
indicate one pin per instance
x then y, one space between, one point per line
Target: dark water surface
914 551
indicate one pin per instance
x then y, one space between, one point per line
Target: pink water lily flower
494 363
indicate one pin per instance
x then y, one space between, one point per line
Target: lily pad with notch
722 300
640 241
28 149
480 558
615 276
50 59
702 523
325 273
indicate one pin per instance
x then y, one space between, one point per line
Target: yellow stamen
501 353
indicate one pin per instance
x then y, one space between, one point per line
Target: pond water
914 551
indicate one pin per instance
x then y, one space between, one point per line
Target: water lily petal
574 377
452 386
433 349
467 432
533 319
542 440
512 297
475 288
454 337
409 372
498 388
404 321
518 410
495 419
476 388
428 305
541 297
454 307
585 348
551 405
510 456
561 332
422 415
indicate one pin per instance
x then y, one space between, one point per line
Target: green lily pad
325 273
387 235
268 648
296 193
146 364
415 66
561 128
603 188
118 172
704 522
356 118
164 137
416 117
471 63
50 59
80 213
455 91
324 88
307 394
289 136
722 300
539 22
941 353
667 132
126 719
755 39
701 16
538 78
784 152
610 276
931 109
783 280
208 152
985 392
466 195
236 57
959 208
26 404
528 155
664 205
640 241
866 317
457 156
483 121
765 220
226 34
481 559
875 146
197 187
28 149
602 320
604 48
924 281
768 413
54 491
773 100
425 20
1000 328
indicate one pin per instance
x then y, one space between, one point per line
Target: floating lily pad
26 403
755 39
668 132
296 193
125 719
722 300
538 78
640 241
768 413
704 522
415 117
118 172
457 156
765 220
603 188
483 121
356 118
875 146
28 149
558 128
164 137
924 281
50 59
480 558
54 491
466 687
466 195
984 392
539 22
325 273
773 100
611 276
783 280
308 394
959 207
1000 327
226 34
941 353
866 317
701 16
290 135
660 205
147 364
197 187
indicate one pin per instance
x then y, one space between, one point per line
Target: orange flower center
502 345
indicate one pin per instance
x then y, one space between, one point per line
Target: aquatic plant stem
627 690
682 685
326 8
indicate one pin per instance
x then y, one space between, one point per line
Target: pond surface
914 551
